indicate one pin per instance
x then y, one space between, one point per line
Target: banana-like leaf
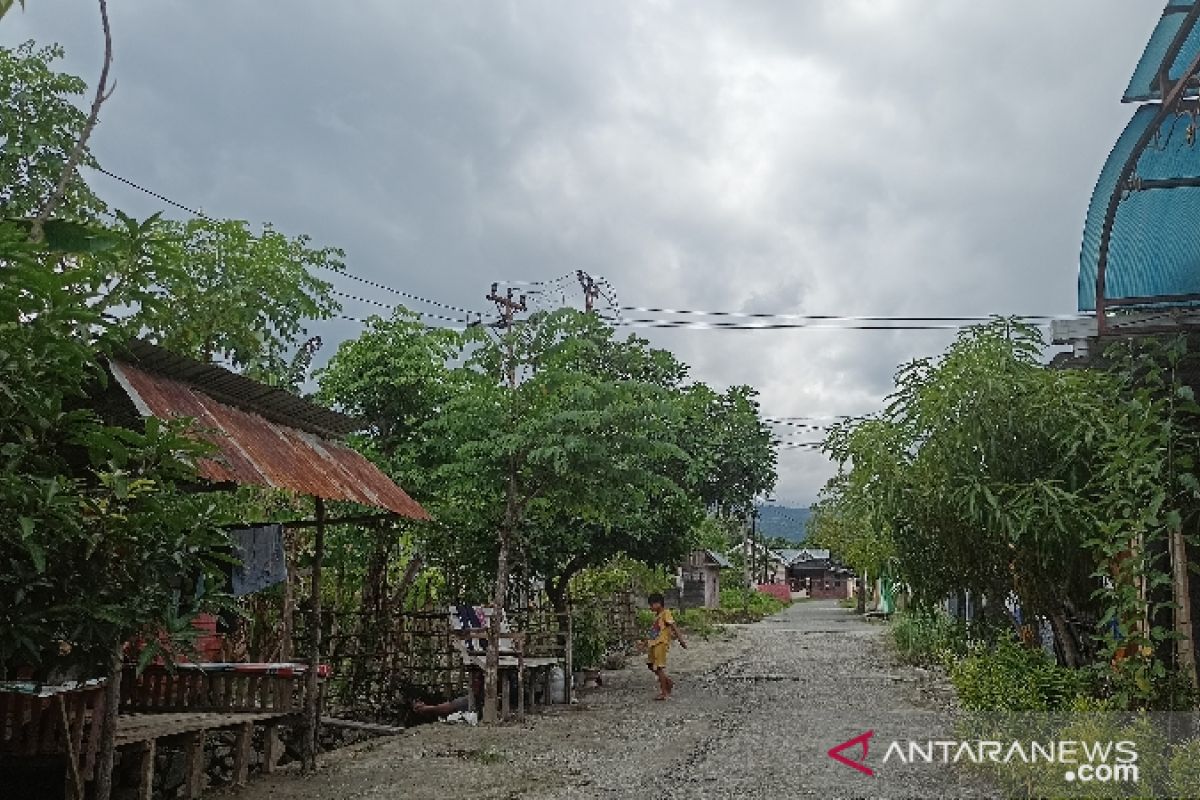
6 6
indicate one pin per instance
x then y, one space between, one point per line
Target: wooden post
286 620
71 738
505 694
568 655
108 729
242 746
312 710
145 754
521 676
193 770
272 749
1185 646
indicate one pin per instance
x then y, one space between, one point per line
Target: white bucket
558 684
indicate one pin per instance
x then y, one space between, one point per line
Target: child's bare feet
661 697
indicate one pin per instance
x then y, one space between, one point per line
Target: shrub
1184 773
929 638
589 638
1006 677
739 604
697 622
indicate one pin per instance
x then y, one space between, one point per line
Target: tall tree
236 294
40 126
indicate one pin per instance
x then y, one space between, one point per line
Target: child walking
658 642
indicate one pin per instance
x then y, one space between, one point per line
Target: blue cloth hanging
263 564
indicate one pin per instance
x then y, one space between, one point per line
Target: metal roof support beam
1170 99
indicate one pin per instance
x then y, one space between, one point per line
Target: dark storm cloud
843 156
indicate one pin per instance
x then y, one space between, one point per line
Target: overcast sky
893 157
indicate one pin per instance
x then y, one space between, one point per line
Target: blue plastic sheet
1144 84
1155 243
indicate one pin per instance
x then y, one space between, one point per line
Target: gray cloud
842 156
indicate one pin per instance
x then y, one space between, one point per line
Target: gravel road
754 713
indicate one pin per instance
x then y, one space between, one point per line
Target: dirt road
754 713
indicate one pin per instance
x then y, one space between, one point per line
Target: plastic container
558 684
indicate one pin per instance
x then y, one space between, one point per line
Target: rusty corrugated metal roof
232 388
262 452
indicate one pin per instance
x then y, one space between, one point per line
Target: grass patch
490 755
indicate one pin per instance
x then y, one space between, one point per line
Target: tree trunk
405 583
1065 637
492 677
1184 644
108 730
861 606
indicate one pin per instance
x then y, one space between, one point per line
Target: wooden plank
193 771
53 727
95 727
145 770
158 690
366 727
241 753
272 749
521 694
33 726
7 723
215 694
179 689
75 733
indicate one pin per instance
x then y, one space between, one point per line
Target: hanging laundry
263 564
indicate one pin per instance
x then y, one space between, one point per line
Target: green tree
976 476
397 376
733 459
236 294
539 431
100 536
39 128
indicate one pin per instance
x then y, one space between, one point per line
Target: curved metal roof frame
1172 92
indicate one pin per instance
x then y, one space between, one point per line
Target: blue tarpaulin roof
1144 85
1155 243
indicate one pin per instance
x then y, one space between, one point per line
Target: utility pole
747 554
508 307
591 292
754 540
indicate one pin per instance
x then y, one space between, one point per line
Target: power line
802 425
154 194
837 317
769 321
737 326
423 314
339 271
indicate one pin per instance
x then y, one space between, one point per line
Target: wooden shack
262 436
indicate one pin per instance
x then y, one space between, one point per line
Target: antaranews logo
863 740
1083 761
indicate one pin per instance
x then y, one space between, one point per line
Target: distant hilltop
783 522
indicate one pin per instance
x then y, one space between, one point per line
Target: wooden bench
56 721
183 705
514 666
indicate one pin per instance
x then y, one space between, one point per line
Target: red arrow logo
860 763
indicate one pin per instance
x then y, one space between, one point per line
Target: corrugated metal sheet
1144 84
237 390
262 452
